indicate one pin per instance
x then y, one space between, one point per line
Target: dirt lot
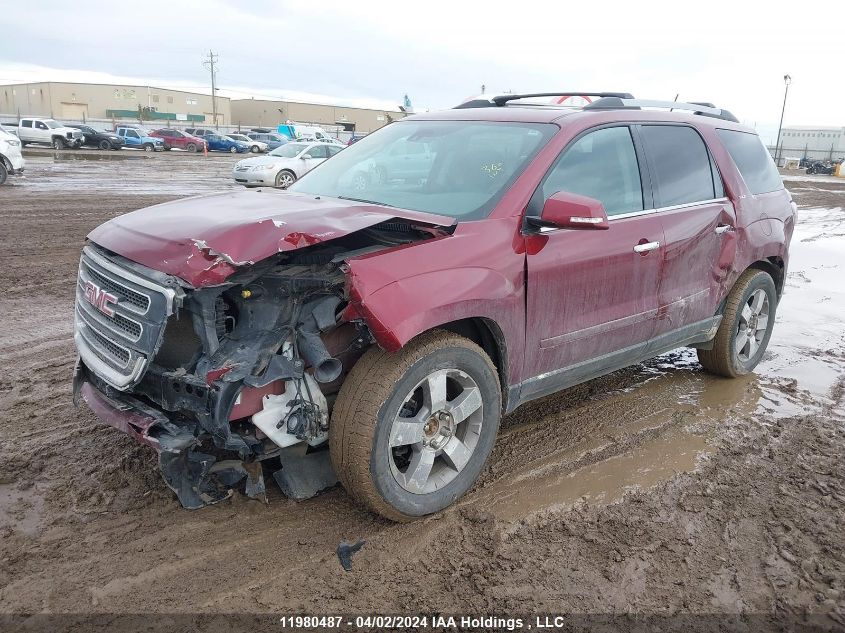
656 490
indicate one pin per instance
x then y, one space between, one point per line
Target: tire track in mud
753 528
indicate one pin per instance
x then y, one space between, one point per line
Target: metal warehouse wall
813 142
96 101
261 112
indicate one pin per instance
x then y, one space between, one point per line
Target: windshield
238 137
50 123
454 168
289 150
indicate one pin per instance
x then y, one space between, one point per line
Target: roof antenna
676 101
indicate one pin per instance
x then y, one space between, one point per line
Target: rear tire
403 446
746 326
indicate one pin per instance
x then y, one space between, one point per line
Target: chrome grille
117 335
140 301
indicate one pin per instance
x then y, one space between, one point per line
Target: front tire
233 150
411 431
104 145
285 179
148 147
191 147
254 149
4 173
58 143
746 326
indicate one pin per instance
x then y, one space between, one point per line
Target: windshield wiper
381 204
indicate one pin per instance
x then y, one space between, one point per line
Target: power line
209 63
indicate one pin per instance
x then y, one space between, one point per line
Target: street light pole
786 80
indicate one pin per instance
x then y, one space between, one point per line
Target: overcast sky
373 52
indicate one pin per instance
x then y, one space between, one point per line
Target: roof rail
501 100
704 109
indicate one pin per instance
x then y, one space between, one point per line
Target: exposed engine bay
242 375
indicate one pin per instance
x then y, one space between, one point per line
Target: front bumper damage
222 381
230 372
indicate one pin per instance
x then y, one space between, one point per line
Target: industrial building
80 101
164 106
819 143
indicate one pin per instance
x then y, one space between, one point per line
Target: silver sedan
283 166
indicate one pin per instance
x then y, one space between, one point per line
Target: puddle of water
605 481
22 510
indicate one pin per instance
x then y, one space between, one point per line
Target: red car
178 138
374 330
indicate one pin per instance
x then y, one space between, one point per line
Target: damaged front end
228 380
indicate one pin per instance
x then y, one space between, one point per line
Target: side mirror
306 157
564 210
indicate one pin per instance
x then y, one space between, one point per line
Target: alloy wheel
752 325
436 431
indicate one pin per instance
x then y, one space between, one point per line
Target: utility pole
786 81
209 63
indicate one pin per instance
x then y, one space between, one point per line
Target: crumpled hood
204 240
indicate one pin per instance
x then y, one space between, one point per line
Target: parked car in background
272 139
11 128
11 161
354 139
139 138
179 139
222 143
199 132
283 166
48 131
99 138
255 146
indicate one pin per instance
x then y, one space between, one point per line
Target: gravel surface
655 490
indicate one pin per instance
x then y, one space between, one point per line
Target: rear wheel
285 179
746 326
411 431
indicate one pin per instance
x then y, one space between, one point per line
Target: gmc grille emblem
100 299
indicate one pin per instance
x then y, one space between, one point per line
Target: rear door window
681 168
753 161
602 165
318 151
26 123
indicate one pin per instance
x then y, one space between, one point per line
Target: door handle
723 228
648 246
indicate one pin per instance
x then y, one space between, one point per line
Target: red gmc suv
372 325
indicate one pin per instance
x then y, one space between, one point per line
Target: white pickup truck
37 130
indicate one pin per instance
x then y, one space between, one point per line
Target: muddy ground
655 490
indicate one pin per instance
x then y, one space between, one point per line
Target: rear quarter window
753 161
